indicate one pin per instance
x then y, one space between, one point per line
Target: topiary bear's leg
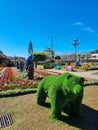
76 106
58 101
41 96
57 106
67 108
55 111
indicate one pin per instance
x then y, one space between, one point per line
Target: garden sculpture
62 90
21 65
28 60
78 61
69 67
58 67
30 67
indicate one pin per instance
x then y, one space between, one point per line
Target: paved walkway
87 74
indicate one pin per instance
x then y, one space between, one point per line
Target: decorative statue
21 65
62 90
69 67
78 61
30 67
58 67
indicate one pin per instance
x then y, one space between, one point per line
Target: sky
41 20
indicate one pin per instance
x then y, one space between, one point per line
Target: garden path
91 74
88 74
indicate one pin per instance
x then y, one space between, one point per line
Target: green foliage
63 89
39 56
57 57
49 66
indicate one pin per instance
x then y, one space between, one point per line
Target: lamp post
75 45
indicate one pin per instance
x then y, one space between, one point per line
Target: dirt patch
28 116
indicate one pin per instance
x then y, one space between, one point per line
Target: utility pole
51 49
52 52
51 43
75 45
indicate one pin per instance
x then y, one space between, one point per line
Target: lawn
27 115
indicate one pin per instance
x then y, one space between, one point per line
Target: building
94 57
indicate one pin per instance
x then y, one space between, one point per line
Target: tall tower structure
75 45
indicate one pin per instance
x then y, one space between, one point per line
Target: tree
39 56
1 52
50 53
58 58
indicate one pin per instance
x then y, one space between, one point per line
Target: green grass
27 115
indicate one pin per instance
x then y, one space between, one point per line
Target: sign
40 66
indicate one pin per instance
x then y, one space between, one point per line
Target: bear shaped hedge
62 90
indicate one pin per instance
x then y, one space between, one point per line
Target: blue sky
39 20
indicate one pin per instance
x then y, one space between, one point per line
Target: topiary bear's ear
69 76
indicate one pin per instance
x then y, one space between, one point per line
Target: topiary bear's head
74 84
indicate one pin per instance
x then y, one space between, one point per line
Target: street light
75 45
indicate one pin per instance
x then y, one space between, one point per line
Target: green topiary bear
64 89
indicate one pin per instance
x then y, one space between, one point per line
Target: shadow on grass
87 121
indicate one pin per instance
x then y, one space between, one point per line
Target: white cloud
88 29
78 24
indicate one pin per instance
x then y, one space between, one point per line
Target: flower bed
20 84
44 73
11 86
7 76
8 82
1 72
